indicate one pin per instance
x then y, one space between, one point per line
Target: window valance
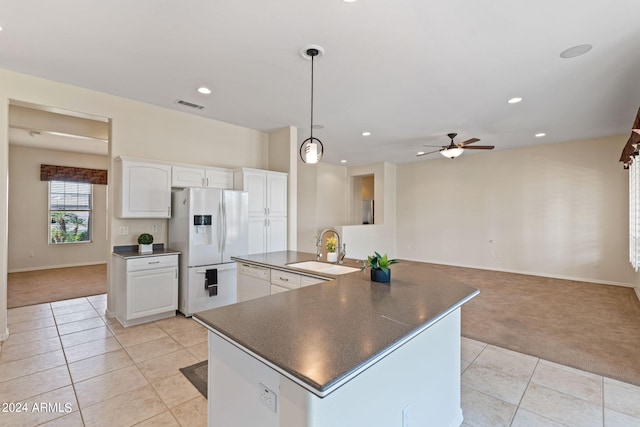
69 173
631 147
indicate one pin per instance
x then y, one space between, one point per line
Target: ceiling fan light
452 152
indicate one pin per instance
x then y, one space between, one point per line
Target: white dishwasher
253 281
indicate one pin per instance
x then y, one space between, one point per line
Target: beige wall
322 201
558 210
28 212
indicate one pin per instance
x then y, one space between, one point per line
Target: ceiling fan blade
480 147
430 152
468 141
439 146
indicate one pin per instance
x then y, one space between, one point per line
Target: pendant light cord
312 56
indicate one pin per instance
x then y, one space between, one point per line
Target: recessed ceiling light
343 161
514 100
366 133
204 90
540 135
574 51
349 1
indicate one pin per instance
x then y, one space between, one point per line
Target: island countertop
323 335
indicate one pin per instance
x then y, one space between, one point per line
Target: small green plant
380 262
145 239
331 244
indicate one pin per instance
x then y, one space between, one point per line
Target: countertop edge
155 253
287 268
323 391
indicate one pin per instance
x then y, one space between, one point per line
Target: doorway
363 203
40 268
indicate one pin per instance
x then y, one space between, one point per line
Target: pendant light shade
311 150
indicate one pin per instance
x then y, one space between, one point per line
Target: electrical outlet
268 397
30 253
124 231
154 228
405 416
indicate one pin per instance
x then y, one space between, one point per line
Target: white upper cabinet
267 208
193 176
277 194
144 189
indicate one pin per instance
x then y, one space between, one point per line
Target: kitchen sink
323 267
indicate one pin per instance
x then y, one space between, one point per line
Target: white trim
4 336
458 420
528 273
49 267
638 293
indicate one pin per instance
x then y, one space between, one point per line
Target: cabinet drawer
283 278
147 263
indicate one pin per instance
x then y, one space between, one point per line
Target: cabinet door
184 177
277 194
257 235
219 178
145 190
276 234
152 292
255 182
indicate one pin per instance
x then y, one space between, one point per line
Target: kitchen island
345 352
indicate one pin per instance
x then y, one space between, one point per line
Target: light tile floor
65 364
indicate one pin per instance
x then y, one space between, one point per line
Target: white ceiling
408 71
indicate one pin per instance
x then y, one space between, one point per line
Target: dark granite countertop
131 251
321 335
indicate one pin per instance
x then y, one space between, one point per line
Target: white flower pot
145 249
332 256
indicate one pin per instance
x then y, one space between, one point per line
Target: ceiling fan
454 150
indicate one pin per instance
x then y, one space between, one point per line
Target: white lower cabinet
146 288
282 281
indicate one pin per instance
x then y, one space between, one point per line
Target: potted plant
332 255
380 271
145 243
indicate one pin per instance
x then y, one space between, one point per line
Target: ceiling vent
189 104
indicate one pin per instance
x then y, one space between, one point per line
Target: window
634 213
70 205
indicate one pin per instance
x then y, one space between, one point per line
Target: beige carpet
40 286
595 328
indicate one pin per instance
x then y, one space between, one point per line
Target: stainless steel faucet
342 248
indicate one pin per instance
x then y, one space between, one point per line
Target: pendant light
311 150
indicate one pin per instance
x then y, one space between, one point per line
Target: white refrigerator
208 226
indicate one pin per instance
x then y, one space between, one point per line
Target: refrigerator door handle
223 234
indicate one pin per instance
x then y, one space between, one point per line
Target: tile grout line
525 392
66 361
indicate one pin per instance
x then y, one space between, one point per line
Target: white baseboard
4 335
457 422
638 292
530 273
49 267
